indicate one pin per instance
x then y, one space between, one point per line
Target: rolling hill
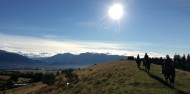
122 77
119 77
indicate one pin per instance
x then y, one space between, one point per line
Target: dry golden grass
122 77
4 78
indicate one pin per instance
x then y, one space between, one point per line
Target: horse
172 79
138 61
146 63
169 73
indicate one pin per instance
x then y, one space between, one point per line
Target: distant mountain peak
82 58
14 60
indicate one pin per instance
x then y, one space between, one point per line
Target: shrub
49 79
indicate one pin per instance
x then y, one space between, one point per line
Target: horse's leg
149 69
166 77
138 65
173 80
170 79
173 76
162 70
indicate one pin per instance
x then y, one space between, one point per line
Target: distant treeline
34 77
47 78
181 62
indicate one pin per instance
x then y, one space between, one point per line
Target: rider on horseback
138 61
169 70
146 62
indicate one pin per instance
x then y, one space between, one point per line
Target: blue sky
158 27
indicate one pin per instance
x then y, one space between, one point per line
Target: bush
38 77
57 73
49 79
90 69
67 71
14 77
131 58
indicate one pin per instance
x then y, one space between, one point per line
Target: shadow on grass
164 82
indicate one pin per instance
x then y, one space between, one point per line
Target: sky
46 27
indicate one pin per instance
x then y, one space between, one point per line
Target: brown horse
146 64
169 73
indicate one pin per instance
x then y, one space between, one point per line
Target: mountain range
82 59
15 60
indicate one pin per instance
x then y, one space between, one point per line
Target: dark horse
169 71
146 64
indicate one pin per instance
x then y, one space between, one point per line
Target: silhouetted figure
146 63
161 62
169 70
138 61
172 79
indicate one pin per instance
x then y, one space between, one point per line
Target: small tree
49 79
183 59
9 84
188 61
14 77
38 77
131 58
183 62
57 73
67 71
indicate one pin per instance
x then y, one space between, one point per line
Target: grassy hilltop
123 77
120 77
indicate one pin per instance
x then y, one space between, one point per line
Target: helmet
167 56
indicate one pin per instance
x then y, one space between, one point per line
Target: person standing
138 61
147 62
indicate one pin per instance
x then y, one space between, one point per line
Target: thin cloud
180 46
86 24
49 36
33 46
25 28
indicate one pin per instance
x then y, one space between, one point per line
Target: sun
116 11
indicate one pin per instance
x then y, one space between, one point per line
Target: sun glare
116 11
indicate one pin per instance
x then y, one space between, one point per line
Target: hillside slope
124 78
120 77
